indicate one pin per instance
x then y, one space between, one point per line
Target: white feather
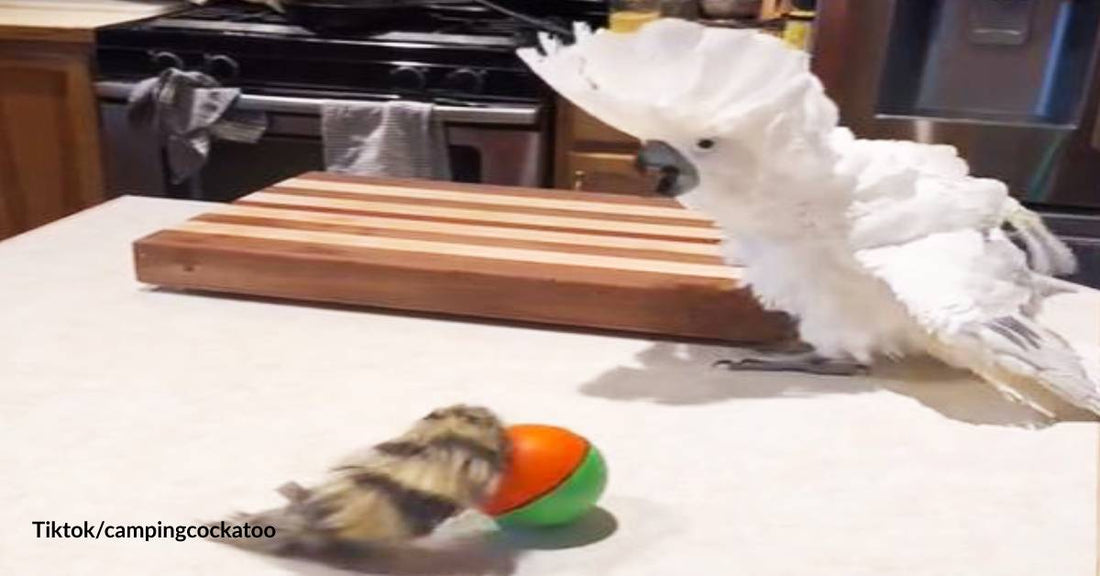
1049 255
970 290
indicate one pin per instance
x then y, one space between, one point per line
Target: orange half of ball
542 458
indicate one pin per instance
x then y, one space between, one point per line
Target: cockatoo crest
679 77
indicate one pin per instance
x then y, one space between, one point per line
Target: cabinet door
588 131
609 172
49 141
593 156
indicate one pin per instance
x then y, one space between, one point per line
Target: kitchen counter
132 405
72 20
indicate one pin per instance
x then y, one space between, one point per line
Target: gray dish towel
188 109
399 139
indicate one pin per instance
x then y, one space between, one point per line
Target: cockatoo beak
677 175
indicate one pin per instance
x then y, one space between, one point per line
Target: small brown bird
450 460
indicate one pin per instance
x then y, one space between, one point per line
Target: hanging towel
399 139
188 109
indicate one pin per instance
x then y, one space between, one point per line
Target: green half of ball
570 500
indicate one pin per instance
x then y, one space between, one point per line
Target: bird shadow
682 374
472 548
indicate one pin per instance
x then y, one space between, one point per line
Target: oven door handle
508 115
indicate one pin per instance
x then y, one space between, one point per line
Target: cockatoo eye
705 144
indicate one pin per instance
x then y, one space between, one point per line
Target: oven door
491 144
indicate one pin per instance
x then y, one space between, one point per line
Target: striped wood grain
586 260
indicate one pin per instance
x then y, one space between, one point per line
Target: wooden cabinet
593 156
49 149
608 172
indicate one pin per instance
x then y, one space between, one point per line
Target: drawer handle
578 179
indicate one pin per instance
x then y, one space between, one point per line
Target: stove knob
165 60
221 66
408 78
465 80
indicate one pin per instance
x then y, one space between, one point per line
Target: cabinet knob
578 179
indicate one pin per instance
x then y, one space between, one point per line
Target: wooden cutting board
548 256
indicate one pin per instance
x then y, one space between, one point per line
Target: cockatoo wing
905 205
908 189
969 291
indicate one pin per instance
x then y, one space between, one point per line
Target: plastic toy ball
554 477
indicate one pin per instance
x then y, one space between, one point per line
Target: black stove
452 53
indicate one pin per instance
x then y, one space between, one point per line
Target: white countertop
73 20
133 405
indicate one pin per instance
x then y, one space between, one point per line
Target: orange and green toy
554 477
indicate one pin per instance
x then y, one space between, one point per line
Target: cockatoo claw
809 363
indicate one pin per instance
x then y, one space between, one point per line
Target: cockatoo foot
808 362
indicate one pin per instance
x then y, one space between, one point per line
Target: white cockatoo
876 248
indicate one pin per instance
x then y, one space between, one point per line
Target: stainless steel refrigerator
1011 83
